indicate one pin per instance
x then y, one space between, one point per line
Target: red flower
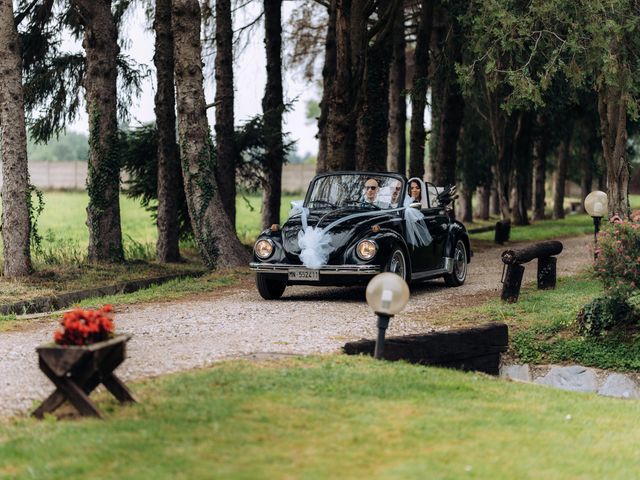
84 327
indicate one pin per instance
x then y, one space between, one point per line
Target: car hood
350 227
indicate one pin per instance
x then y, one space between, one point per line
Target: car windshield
354 189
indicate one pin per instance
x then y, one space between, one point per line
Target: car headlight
366 249
263 248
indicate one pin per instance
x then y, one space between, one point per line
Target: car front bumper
323 270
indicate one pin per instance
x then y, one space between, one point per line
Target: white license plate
308 275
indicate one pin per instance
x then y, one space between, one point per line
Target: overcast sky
249 84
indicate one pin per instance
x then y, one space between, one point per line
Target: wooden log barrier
537 250
469 349
513 260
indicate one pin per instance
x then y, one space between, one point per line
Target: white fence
72 175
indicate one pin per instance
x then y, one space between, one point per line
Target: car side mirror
416 205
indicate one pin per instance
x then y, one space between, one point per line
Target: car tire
270 288
459 274
397 263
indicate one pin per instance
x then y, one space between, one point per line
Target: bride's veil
423 191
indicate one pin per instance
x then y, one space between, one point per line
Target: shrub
604 313
618 256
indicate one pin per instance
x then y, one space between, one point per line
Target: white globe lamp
387 294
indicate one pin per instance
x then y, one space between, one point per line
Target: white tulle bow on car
315 242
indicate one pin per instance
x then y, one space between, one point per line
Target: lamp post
596 205
387 294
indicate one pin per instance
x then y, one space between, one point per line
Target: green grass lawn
62 222
333 417
248 213
570 226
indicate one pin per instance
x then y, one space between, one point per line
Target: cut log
537 250
489 228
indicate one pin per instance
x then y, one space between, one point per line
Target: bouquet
85 327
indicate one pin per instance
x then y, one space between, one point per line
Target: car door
437 222
421 255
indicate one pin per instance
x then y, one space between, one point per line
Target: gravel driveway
169 337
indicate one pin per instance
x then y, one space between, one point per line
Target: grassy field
248 215
333 417
62 223
570 226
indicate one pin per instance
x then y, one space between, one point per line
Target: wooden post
547 273
512 282
503 230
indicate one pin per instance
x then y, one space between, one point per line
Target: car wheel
459 274
270 288
397 264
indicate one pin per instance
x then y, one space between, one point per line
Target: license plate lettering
308 275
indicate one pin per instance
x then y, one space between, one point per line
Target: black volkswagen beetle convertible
354 225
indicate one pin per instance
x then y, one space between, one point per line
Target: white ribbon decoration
315 242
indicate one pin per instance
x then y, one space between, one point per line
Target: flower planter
77 370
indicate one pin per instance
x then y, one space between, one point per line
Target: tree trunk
373 107
539 173
452 112
16 224
587 175
103 183
169 172
225 141
494 204
419 89
451 117
504 164
341 105
561 174
328 80
214 233
482 202
464 212
613 123
397 140
521 168
273 108
502 126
